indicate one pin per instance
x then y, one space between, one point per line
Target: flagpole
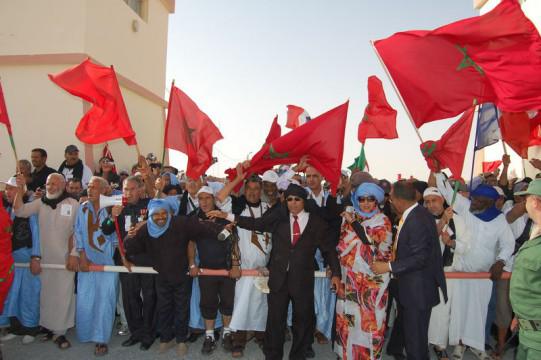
165 126
474 146
396 90
504 147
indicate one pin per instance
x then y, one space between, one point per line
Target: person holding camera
217 292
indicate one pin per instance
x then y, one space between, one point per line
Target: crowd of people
384 248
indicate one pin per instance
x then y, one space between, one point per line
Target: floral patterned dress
362 297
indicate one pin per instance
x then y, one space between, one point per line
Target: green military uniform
525 295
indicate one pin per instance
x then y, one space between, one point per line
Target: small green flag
360 162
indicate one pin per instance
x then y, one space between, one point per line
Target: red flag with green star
322 139
379 121
495 58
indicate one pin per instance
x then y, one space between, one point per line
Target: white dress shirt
302 219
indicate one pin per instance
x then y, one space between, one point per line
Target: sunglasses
293 198
362 199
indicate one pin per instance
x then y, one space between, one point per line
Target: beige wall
62 33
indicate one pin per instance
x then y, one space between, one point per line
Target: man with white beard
484 243
250 307
56 215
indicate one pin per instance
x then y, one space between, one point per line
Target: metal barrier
248 272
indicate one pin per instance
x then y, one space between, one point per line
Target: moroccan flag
379 120
520 130
4 118
189 130
296 116
275 131
107 119
450 150
360 162
322 139
490 166
494 58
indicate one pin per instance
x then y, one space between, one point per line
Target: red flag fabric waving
275 131
189 130
490 166
4 119
490 58
107 119
379 119
520 131
296 116
450 151
322 139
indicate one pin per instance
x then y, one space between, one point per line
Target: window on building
139 6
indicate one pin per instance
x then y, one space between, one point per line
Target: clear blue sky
243 61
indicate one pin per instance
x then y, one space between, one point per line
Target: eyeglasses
362 199
293 198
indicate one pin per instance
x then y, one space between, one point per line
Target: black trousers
415 330
173 309
139 299
217 292
396 341
302 300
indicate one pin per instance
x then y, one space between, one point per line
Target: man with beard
438 329
56 213
41 170
22 305
73 167
74 188
484 243
96 291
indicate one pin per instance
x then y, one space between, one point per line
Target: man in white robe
484 243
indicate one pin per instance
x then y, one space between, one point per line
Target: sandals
481 355
321 339
101 350
458 352
47 336
237 351
62 342
441 354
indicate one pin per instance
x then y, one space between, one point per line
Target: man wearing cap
56 213
21 309
73 167
484 243
438 329
188 200
296 234
525 288
217 292
250 308
41 170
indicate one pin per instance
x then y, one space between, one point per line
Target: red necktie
296 230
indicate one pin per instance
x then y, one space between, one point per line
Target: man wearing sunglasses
296 234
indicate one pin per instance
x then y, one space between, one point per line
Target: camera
224 234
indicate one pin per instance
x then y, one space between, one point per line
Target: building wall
48 36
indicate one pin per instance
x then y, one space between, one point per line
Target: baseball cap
205 190
533 189
432 191
71 148
270 176
12 181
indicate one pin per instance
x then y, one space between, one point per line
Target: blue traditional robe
96 291
22 301
196 319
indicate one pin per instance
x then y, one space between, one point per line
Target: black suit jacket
299 258
418 263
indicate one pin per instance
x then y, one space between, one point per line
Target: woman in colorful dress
366 236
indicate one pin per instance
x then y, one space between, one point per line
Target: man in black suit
417 265
296 234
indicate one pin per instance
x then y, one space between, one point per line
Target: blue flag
488 130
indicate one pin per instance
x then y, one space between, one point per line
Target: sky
243 61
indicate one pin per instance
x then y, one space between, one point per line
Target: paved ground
15 350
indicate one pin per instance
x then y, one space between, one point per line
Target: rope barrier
247 272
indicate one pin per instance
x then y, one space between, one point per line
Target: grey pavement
15 350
